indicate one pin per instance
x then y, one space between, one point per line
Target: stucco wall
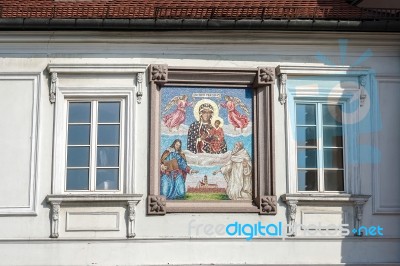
177 238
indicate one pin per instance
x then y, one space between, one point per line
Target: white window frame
61 94
337 95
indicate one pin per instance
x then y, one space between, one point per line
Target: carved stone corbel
282 88
159 73
139 93
268 205
53 87
358 215
55 217
131 219
156 205
362 81
291 216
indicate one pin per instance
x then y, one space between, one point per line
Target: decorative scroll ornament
282 89
55 216
53 87
268 205
139 92
362 80
159 73
156 205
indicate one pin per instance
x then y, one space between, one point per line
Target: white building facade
43 223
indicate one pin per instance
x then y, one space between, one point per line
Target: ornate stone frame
261 79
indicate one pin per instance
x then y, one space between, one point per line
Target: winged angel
177 117
236 119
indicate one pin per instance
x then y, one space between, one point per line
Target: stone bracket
282 88
139 93
362 81
53 87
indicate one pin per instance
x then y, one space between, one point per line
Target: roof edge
196 24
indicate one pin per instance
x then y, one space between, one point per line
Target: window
319 135
94 125
323 108
94 141
94 147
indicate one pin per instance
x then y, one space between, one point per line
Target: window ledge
293 200
129 200
64 198
334 198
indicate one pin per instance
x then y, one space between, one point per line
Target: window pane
332 114
78 157
305 114
306 158
77 179
107 156
109 112
107 179
333 137
79 113
78 134
334 180
307 180
306 136
108 134
333 158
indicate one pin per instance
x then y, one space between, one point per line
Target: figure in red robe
236 119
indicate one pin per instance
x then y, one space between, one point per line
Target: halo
217 118
197 107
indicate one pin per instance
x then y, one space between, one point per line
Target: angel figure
177 117
236 119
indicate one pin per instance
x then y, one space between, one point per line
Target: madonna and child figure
202 136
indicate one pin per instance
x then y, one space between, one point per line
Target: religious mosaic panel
206 143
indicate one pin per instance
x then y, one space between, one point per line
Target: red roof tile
197 9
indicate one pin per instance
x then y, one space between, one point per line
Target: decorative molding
265 75
159 73
96 68
53 87
139 92
30 208
362 80
55 217
268 205
393 208
156 205
263 174
131 218
282 88
56 202
72 224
